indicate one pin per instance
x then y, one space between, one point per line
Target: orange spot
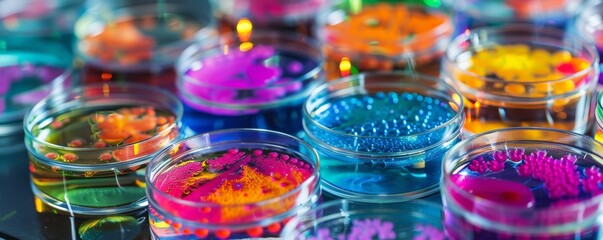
274 228
186 231
106 76
223 233
51 155
75 143
70 157
202 233
177 225
257 187
56 124
161 120
255 231
105 157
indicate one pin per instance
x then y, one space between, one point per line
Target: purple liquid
23 85
260 76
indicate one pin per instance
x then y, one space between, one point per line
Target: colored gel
380 121
236 177
138 43
129 41
522 63
516 77
384 36
234 180
258 75
258 84
531 179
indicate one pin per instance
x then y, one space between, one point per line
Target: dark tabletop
17 209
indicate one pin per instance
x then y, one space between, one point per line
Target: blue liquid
393 123
283 117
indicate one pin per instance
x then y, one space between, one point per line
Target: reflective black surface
17 209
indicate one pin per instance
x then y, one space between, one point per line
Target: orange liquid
570 113
385 37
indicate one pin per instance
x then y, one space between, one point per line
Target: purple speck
295 67
237 186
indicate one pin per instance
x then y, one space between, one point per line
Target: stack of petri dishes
88 149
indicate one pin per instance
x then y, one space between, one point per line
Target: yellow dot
541 68
562 115
246 46
563 86
541 55
599 137
419 165
515 89
482 59
543 87
519 48
506 75
244 26
561 57
345 65
580 63
477 70
471 81
525 76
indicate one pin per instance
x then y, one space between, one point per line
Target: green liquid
89 186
